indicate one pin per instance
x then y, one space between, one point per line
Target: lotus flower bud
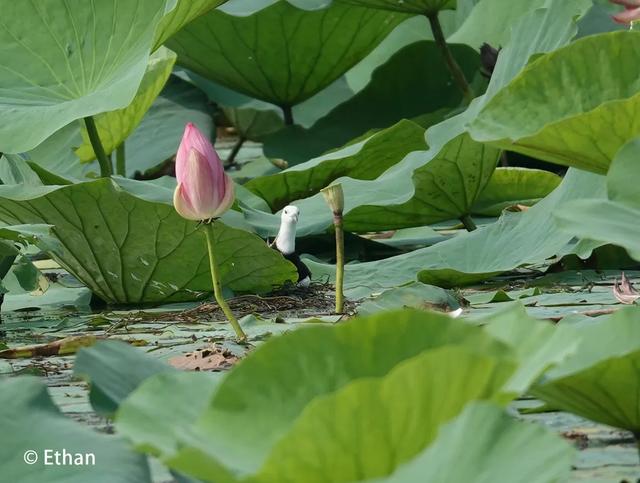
334 197
631 12
204 190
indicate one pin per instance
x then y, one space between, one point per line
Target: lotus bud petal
334 197
204 190
630 14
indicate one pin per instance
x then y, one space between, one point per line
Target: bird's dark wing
303 270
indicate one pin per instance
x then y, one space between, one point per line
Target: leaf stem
637 438
454 68
288 115
217 291
234 151
468 223
337 223
121 160
106 169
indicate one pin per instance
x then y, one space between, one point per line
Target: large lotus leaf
416 190
67 59
614 220
490 21
154 427
485 445
184 12
420 7
57 154
128 249
114 370
366 159
514 186
405 86
537 32
288 372
281 54
568 109
516 239
538 345
30 421
115 126
370 427
601 381
445 187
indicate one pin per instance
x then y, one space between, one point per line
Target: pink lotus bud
204 190
631 11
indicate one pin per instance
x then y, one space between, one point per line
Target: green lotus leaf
420 7
370 427
63 60
515 240
514 186
490 21
115 126
601 381
281 54
277 375
366 159
154 427
493 454
446 185
33 422
184 12
566 108
396 90
538 345
114 370
613 220
132 248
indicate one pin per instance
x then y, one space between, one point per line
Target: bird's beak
296 216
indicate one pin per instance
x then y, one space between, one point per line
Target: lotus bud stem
217 290
334 197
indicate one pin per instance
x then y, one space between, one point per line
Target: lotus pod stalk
334 197
204 193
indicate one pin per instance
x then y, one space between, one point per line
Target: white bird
285 243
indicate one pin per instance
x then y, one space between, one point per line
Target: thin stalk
288 115
337 223
106 169
504 161
234 151
637 437
468 222
121 160
454 68
217 291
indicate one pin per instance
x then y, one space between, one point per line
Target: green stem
217 291
121 161
106 169
637 437
235 150
468 222
337 223
288 115
454 68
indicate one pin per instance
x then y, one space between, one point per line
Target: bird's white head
290 214
286 239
